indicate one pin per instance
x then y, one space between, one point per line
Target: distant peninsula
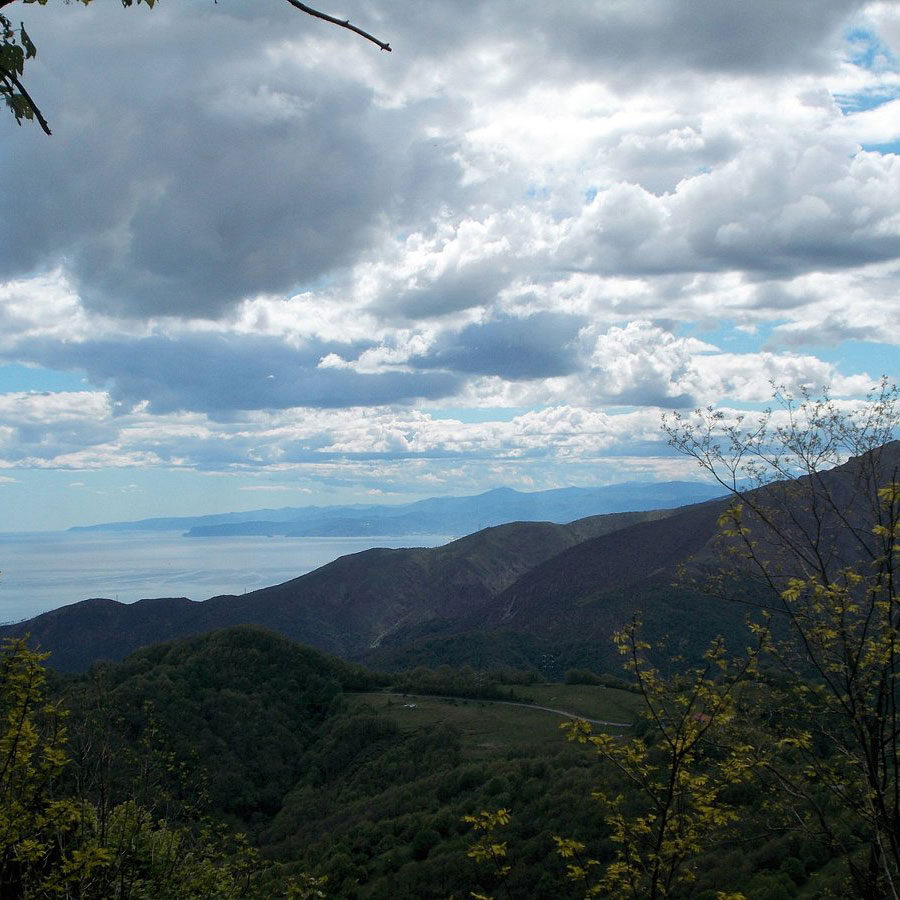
436 515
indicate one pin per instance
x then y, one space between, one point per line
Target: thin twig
342 23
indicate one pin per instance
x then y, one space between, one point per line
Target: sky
261 262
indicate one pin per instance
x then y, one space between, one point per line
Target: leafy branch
17 47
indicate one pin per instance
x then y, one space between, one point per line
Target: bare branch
342 23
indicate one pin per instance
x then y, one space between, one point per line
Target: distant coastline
47 569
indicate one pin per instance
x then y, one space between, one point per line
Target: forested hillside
336 773
330 771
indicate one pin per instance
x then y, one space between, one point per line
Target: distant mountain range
523 594
437 515
348 607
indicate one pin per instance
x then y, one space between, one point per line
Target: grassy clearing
594 701
490 728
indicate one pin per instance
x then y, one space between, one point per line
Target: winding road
563 713
559 712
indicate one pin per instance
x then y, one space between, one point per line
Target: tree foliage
807 716
57 843
821 535
487 848
809 713
34 823
674 797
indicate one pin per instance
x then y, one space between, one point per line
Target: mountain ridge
526 589
432 515
344 607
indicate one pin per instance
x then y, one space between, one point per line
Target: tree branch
342 23
31 109
14 81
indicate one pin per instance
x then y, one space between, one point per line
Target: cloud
537 346
621 40
245 160
267 247
770 212
225 170
749 378
218 373
51 424
643 365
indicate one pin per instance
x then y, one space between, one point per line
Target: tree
34 823
815 520
16 48
55 843
486 848
810 543
668 799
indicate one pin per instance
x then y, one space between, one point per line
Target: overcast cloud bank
257 246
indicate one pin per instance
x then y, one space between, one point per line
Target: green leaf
27 43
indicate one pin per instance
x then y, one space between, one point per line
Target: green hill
369 786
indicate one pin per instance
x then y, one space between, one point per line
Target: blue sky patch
728 338
853 357
865 100
891 147
33 378
867 51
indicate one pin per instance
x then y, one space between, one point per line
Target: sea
40 571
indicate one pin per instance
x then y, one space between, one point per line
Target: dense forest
243 764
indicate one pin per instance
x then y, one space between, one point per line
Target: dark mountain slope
568 606
629 560
548 586
354 603
345 607
564 611
99 628
828 519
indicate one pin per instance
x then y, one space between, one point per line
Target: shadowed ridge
345 607
573 583
109 628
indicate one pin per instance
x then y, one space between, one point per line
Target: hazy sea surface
44 570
